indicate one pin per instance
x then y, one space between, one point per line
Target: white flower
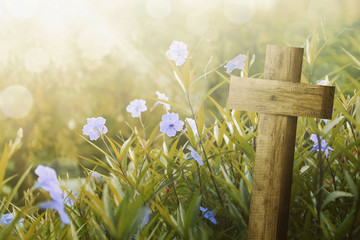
136 107
178 52
162 96
324 82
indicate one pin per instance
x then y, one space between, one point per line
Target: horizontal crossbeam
281 98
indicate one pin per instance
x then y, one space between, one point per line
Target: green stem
205 155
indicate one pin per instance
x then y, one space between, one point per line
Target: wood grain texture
270 200
279 97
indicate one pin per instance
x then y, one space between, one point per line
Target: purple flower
95 127
178 52
238 62
162 96
192 124
69 198
58 205
7 219
96 176
145 217
324 82
136 107
324 147
47 180
196 156
208 214
170 124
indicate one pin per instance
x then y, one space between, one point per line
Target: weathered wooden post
279 98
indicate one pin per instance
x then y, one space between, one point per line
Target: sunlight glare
265 4
239 11
37 60
3 56
328 9
159 9
197 23
95 41
16 101
22 9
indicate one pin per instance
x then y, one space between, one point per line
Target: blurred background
62 61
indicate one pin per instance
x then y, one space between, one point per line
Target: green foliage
149 189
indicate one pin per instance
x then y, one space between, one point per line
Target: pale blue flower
47 180
68 198
95 127
8 218
208 214
324 147
170 124
145 217
58 205
136 107
162 96
324 82
195 155
178 52
96 176
237 62
192 124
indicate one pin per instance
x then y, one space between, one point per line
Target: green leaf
334 195
192 213
330 125
201 120
352 185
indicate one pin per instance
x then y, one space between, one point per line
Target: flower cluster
208 215
324 146
47 180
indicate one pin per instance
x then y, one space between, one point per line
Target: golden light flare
239 11
159 9
16 101
22 9
37 60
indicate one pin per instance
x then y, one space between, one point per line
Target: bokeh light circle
22 9
95 41
37 60
239 11
159 9
16 101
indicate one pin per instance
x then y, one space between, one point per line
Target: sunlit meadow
114 120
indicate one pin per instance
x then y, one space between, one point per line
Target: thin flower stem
176 196
205 155
320 184
108 148
198 170
187 182
143 126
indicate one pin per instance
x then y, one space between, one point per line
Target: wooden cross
280 98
